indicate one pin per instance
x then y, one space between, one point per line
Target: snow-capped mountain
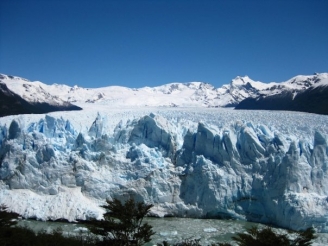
34 92
174 94
301 93
193 94
29 99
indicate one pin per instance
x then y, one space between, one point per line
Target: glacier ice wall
242 170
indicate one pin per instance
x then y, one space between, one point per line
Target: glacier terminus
262 166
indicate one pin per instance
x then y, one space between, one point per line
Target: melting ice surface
260 166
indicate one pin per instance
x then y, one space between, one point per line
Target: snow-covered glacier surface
261 166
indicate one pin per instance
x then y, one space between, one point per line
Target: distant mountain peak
241 80
4 76
190 94
241 77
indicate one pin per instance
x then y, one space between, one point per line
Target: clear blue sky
98 43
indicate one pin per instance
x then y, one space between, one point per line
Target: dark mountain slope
313 100
12 104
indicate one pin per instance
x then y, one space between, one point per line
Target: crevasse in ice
184 166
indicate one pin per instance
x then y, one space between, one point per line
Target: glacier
261 166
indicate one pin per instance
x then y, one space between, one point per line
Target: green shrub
268 237
122 224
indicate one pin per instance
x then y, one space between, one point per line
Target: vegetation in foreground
123 226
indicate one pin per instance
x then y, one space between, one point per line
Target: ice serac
97 127
14 130
150 131
238 170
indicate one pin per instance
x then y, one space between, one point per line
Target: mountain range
300 93
181 147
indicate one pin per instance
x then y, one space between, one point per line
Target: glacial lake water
175 229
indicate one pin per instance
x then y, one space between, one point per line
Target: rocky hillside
309 95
